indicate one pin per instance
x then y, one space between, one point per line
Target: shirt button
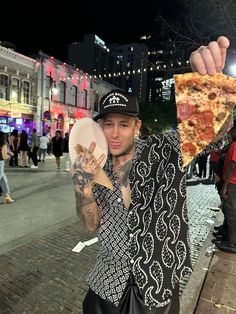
130 212
131 235
119 200
131 261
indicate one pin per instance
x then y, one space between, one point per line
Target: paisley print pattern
147 218
148 192
158 199
171 200
139 274
161 227
148 246
153 157
168 256
181 253
156 273
150 239
175 228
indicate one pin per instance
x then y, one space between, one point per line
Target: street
39 273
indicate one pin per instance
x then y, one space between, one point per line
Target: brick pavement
44 275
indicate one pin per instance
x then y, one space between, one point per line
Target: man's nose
115 131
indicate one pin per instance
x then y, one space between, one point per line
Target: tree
196 22
158 117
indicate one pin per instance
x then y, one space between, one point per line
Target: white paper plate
84 132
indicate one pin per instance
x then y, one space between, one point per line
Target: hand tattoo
81 178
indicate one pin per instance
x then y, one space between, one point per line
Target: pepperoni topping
189 148
184 111
206 133
204 117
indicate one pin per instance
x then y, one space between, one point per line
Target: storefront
15 116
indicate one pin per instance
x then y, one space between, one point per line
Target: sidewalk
218 294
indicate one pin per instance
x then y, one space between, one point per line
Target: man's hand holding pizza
211 58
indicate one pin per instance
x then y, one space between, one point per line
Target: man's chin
116 152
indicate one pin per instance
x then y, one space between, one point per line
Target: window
84 98
62 90
74 95
15 89
48 86
4 86
26 92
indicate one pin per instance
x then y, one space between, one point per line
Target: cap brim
99 116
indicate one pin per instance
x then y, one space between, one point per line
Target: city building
91 54
121 65
45 93
18 91
65 94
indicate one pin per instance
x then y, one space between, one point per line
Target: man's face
120 131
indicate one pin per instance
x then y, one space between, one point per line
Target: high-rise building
91 55
122 65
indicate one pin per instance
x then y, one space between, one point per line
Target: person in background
43 145
214 157
34 149
202 165
3 179
23 149
65 150
228 193
57 148
14 145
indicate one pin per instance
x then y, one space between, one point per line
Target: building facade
65 94
45 93
18 91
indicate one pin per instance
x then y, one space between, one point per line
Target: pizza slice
204 105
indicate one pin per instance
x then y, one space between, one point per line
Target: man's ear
138 127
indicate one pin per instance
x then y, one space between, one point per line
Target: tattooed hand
85 168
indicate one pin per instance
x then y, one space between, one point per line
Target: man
229 195
34 149
143 222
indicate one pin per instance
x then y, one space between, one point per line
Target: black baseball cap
118 101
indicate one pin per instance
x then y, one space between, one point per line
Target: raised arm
83 172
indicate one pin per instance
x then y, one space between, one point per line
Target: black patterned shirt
150 238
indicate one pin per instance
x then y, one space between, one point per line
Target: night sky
54 26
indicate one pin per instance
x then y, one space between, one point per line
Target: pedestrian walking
43 145
3 179
23 149
14 145
65 151
34 149
57 148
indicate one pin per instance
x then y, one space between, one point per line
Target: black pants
131 303
34 155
